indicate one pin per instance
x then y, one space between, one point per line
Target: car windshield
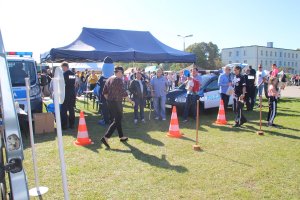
19 70
205 78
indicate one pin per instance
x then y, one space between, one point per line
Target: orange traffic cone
221 119
174 127
82 136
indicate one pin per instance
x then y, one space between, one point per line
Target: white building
265 55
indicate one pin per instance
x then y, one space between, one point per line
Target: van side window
212 86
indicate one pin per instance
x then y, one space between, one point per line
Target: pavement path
291 91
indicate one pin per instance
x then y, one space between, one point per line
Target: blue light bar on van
20 54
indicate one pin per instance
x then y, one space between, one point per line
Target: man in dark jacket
70 96
250 89
139 90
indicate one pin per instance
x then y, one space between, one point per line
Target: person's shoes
103 140
184 121
101 122
164 119
243 122
236 126
156 118
274 125
135 121
123 139
143 121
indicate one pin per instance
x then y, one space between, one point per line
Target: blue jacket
223 81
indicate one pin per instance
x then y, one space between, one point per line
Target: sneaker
164 119
236 126
143 121
156 118
184 121
123 139
243 122
135 121
104 141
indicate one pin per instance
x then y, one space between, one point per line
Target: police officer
70 96
250 88
239 85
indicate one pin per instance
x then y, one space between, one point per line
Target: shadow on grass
229 159
282 134
151 159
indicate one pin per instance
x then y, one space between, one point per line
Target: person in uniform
70 97
250 89
239 85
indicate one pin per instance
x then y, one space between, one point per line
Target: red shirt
274 72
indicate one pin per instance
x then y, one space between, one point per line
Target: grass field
234 163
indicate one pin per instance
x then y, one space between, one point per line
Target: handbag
230 91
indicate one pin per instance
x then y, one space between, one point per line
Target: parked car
209 95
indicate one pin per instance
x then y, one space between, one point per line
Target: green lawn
234 163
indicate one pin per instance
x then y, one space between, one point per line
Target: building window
237 53
296 63
292 64
271 53
275 62
296 55
292 55
261 53
245 61
261 62
288 55
244 53
266 63
230 62
275 54
266 53
284 64
288 64
237 61
279 63
280 54
229 53
284 54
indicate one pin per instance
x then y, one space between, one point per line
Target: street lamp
183 37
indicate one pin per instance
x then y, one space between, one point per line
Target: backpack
196 86
283 78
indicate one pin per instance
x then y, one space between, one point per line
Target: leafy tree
207 55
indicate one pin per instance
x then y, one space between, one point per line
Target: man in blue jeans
159 85
261 78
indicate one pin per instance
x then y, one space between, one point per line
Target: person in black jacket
250 89
138 89
70 96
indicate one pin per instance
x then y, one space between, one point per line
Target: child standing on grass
273 95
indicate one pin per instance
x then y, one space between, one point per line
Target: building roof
261 46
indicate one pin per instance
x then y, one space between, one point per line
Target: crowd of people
138 87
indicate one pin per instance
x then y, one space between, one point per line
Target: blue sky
38 25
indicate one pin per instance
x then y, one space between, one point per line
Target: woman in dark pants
114 93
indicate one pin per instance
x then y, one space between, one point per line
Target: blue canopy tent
93 45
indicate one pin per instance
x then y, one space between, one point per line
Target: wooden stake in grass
260 132
196 147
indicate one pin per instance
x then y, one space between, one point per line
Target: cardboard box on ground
43 123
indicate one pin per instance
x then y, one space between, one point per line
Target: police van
22 65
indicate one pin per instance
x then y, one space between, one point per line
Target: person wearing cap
114 92
224 83
70 96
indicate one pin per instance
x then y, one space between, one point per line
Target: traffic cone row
82 135
221 119
174 126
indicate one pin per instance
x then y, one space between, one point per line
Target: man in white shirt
261 78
